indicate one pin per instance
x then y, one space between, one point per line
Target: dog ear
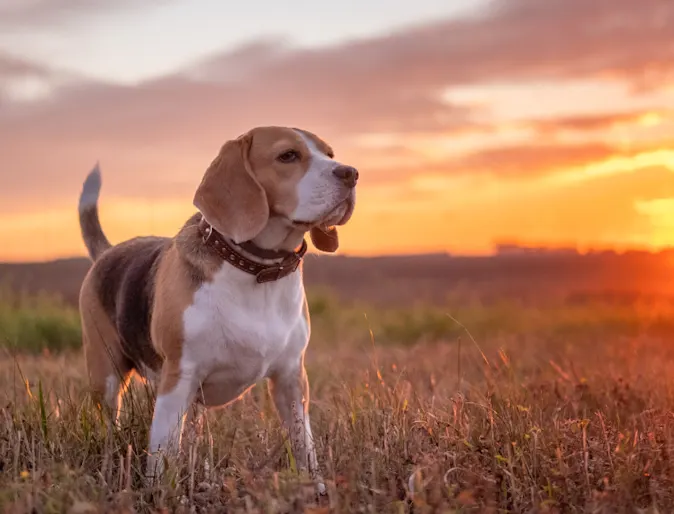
325 240
230 197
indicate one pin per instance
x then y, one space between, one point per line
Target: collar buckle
272 273
207 236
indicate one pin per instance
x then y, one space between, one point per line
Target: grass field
504 407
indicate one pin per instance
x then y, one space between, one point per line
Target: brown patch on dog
181 272
279 179
230 196
102 349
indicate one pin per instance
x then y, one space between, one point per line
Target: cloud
35 12
13 67
171 127
23 83
20 77
597 122
508 162
526 160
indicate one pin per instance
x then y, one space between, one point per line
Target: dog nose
347 174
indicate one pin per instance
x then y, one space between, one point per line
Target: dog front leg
176 392
290 391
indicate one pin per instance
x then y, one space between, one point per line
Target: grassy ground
562 407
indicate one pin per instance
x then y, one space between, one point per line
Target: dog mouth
348 211
340 214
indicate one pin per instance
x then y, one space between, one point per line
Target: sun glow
661 215
651 119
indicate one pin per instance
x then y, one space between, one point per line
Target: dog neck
279 234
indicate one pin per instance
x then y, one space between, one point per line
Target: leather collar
263 272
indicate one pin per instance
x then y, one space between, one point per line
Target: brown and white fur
171 310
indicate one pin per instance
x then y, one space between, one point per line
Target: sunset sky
472 122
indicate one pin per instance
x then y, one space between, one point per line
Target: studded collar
262 272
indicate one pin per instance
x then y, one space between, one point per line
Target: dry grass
557 409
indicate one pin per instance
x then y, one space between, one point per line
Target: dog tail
90 225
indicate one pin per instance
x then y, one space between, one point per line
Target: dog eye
289 156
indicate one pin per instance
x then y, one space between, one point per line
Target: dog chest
238 329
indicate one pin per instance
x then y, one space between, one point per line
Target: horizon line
511 250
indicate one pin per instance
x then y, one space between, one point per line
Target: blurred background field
524 386
405 300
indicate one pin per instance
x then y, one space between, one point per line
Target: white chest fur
238 331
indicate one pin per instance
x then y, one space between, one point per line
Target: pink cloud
391 84
34 12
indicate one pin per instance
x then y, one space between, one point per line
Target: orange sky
549 124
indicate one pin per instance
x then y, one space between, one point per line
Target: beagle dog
208 313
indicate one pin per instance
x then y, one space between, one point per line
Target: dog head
278 172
